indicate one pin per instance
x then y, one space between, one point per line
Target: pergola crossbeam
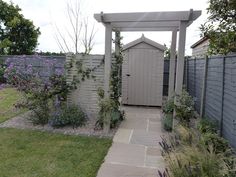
145 24
148 16
145 29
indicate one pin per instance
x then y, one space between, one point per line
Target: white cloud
44 13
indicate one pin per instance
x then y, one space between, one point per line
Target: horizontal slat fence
86 94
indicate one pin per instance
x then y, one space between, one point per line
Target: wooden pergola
173 21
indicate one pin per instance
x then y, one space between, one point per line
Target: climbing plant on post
77 72
115 83
110 107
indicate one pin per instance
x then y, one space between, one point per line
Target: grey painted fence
218 97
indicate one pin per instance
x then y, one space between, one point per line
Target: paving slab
117 170
155 162
123 135
145 138
126 154
135 151
155 127
133 123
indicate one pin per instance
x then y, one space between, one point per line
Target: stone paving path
135 151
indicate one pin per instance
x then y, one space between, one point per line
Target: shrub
71 115
40 110
184 108
2 71
167 119
169 106
38 93
167 122
207 126
218 143
109 111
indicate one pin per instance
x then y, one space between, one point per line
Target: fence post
203 94
222 97
194 71
186 73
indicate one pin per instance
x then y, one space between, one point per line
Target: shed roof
199 42
147 41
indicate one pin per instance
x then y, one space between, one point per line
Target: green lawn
9 97
25 153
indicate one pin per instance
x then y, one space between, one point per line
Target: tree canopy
17 34
221 26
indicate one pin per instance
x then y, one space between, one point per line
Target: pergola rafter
142 21
173 21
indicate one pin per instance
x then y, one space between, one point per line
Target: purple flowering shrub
39 93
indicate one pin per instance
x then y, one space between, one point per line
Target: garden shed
142 73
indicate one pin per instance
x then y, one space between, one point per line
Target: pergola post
107 69
171 88
180 58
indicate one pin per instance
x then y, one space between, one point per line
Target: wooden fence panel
220 91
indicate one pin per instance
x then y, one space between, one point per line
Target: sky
47 14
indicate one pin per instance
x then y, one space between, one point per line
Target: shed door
144 76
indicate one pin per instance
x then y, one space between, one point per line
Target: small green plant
219 143
69 115
167 119
209 136
169 106
167 122
206 125
2 71
184 108
109 111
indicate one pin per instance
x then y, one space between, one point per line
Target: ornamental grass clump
187 156
193 159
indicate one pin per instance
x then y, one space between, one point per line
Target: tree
221 26
17 34
77 32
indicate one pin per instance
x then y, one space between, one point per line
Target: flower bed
196 150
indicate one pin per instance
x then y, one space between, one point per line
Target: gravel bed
22 122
